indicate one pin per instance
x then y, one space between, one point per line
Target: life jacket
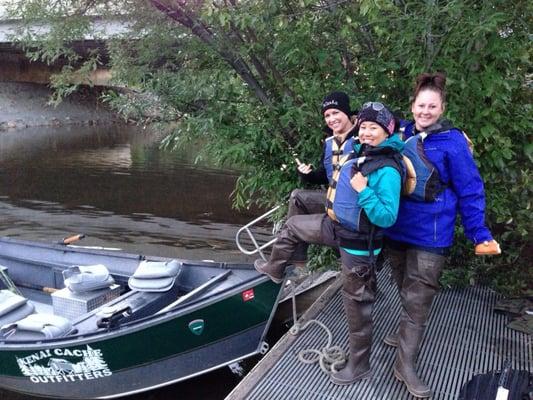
336 155
422 180
342 203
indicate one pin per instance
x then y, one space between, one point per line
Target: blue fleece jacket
431 224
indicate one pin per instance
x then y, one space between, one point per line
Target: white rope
330 358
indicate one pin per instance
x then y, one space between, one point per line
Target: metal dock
464 337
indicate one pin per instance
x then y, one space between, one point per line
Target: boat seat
153 287
155 276
13 307
85 278
131 306
38 327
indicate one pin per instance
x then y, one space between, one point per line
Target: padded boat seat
38 327
13 307
85 278
155 276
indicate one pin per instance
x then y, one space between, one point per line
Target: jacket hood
440 126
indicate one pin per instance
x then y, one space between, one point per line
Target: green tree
247 77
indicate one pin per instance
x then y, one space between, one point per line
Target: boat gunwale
118 255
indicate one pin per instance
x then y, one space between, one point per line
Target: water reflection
117 187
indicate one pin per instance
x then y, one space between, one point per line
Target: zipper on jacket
435 228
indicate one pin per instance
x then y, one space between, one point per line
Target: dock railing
258 248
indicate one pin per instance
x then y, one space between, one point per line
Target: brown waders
420 284
358 296
397 264
359 284
297 229
305 202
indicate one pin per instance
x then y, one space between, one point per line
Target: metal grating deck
464 337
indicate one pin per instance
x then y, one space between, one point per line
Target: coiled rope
330 358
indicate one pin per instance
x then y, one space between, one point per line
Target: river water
113 184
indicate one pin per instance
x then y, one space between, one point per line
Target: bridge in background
15 66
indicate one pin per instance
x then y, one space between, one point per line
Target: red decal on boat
248 295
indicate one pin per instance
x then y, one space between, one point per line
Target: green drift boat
145 322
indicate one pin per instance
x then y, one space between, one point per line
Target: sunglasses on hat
376 105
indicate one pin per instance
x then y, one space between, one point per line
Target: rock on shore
25 104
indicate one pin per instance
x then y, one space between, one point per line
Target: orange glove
487 248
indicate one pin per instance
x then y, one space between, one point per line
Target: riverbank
24 105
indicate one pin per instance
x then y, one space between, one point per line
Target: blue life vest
336 155
423 181
343 200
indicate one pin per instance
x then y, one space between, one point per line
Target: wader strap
371 245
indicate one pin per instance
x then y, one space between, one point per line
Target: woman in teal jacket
366 201
363 200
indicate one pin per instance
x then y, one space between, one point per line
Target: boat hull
206 333
94 384
131 362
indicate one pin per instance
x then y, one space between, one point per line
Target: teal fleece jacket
381 198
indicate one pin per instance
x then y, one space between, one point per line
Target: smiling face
371 133
427 108
337 121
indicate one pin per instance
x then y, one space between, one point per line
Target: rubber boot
358 296
273 271
410 337
297 229
274 268
359 316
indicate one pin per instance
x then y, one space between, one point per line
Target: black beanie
339 101
378 113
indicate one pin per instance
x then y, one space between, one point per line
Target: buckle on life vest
331 214
329 210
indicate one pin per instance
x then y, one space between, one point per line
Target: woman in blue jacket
421 238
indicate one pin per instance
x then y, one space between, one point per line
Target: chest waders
359 288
